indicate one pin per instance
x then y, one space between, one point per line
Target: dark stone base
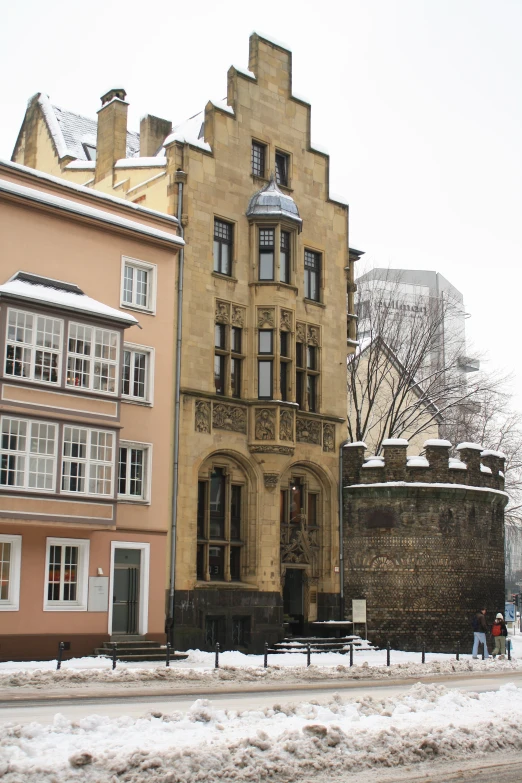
328 606
26 647
261 612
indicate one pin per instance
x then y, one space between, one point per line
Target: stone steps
137 650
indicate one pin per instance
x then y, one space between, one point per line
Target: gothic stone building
424 541
263 370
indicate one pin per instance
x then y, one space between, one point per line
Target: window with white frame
133 471
27 454
33 346
92 358
88 461
10 560
138 287
67 568
136 373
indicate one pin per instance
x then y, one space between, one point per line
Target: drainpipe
177 395
341 519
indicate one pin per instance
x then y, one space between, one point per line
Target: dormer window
90 151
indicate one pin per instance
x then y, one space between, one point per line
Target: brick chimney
153 132
111 141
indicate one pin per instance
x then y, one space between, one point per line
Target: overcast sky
418 103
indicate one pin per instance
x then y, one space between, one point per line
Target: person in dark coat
480 630
499 632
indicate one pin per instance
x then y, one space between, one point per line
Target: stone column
495 460
470 454
353 458
437 454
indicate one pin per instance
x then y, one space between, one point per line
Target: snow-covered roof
356 443
66 296
272 202
474 446
77 208
135 163
190 132
71 131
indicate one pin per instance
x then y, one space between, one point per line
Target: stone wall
424 541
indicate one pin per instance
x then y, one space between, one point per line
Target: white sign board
98 594
509 613
359 610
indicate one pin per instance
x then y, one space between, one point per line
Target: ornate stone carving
286 320
328 437
313 335
271 480
299 543
300 333
202 418
222 312
265 424
308 431
238 316
286 425
265 317
229 417
265 448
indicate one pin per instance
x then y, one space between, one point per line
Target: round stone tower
424 541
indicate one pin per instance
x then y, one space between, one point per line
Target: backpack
475 624
496 630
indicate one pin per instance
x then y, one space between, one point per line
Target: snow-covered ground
279 743
198 668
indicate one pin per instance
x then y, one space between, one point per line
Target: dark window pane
236 339
216 562
202 507
284 257
311 357
299 388
311 392
283 343
266 237
219 336
122 476
222 247
200 565
283 380
235 377
235 513
281 168
312 265
296 501
266 341
265 380
217 504
219 374
299 354
258 159
235 563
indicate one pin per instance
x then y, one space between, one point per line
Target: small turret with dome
271 202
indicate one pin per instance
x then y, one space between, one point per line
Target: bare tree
406 377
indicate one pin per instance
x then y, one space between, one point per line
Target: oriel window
284 257
266 253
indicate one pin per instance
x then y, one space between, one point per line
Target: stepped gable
423 538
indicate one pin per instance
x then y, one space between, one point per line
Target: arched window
221 520
300 501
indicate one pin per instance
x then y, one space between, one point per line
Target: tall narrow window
135 371
28 454
223 241
299 374
265 365
67 573
10 558
284 365
235 361
258 159
307 360
138 285
132 471
220 358
284 257
88 458
219 525
281 168
266 253
312 270
228 359
92 359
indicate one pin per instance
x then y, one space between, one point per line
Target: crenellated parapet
473 467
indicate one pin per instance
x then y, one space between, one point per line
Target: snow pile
275 743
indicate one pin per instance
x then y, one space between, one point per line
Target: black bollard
424 652
308 655
388 650
265 659
508 645
483 650
114 650
167 661
351 655
216 664
61 648
458 651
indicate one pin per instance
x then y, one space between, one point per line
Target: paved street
43 709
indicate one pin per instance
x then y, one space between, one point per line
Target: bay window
92 359
28 454
33 346
88 457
